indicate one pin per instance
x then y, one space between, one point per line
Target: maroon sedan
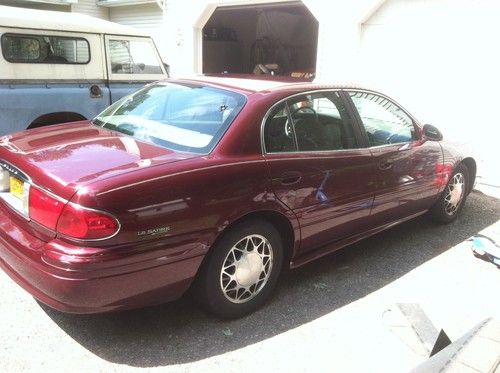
213 184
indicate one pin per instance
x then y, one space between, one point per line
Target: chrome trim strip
318 151
415 121
15 170
406 145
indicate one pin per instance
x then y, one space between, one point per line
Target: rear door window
311 122
278 132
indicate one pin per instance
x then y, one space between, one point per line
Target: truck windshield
183 117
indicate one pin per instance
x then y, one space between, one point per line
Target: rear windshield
183 117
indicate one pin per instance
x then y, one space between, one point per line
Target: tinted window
384 122
133 57
312 122
278 131
321 122
22 48
177 116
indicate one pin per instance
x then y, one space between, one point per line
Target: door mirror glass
432 133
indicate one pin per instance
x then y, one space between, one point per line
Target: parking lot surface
334 314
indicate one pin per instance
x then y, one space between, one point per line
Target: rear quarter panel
189 202
455 152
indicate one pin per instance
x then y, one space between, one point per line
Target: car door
132 63
405 165
317 168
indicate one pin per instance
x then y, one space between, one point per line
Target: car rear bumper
98 284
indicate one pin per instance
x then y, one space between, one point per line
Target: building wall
90 8
32 5
145 17
440 59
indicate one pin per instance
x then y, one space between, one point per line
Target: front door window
384 122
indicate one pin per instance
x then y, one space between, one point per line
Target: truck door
132 62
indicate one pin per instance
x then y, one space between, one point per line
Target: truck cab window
133 57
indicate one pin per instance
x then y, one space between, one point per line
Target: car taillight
443 173
70 219
82 223
44 208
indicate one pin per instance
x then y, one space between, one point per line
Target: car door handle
385 165
289 178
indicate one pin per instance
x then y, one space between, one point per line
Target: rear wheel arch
279 221
208 285
56 118
282 225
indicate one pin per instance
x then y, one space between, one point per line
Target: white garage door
146 17
440 57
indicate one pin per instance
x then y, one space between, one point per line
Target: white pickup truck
60 67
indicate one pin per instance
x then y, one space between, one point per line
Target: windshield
183 117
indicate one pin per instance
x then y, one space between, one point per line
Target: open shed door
275 38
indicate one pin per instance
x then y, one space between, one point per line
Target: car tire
241 271
452 199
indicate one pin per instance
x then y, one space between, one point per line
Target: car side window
384 122
321 122
312 122
278 131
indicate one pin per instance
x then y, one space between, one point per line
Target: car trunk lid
63 158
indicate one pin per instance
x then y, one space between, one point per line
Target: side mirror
432 133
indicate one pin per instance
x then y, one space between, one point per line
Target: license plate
16 187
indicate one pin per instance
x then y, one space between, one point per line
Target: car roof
250 84
61 21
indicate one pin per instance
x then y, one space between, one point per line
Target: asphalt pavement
335 314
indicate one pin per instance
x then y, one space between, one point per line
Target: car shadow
180 333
